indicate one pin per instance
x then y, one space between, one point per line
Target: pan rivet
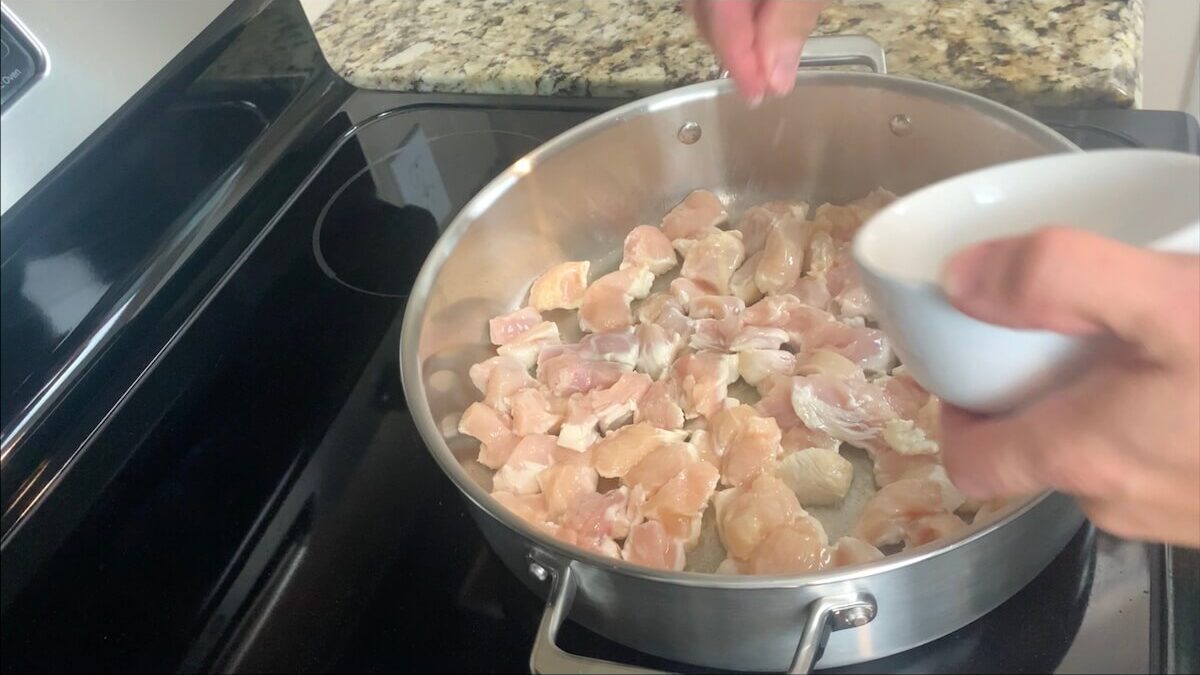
688 133
901 125
857 616
538 571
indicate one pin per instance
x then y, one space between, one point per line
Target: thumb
1063 280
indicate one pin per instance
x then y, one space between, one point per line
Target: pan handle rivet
856 616
688 133
901 125
538 571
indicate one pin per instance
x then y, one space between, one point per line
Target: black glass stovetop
366 560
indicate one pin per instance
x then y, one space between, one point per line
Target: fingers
989 457
730 27
1064 280
783 26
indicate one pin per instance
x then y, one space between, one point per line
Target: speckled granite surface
1031 52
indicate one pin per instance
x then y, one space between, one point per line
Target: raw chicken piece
621 450
560 287
615 346
492 430
685 529
660 466
571 456
713 260
532 414
754 365
618 402
701 381
605 304
530 508
850 410
507 378
526 346
850 551
657 349
801 437
795 548
746 515
869 348
818 476
747 443
531 456
696 214
903 393
821 251
755 224
930 528
647 246
664 310
714 306
826 362
742 285
659 408
715 334
705 446
788 313
812 292
754 337
776 400
848 218
906 438
504 329
890 513
685 494
578 430
594 517
564 484
853 301
481 372
783 256
891 466
649 544
569 373
684 290
782 208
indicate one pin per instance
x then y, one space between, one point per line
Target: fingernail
782 79
754 100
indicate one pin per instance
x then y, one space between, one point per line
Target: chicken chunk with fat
492 430
818 476
560 287
647 246
713 260
746 515
504 329
697 214
649 544
605 304
617 453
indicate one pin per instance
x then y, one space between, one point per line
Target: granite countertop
1027 52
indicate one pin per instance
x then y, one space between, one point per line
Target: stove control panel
20 62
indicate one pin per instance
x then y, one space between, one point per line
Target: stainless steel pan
836 137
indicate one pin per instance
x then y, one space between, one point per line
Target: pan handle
824 615
547 657
841 50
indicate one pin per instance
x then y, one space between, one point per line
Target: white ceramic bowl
1143 197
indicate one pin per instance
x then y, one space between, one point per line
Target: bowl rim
886 216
